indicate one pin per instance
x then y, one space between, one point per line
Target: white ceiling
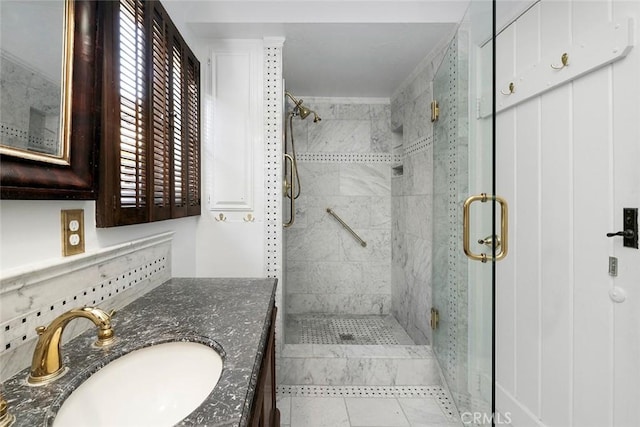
347 48
354 60
344 60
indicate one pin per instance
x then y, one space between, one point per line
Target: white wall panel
526 252
585 15
626 176
233 162
556 346
505 159
235 115
555 17
233 148
556 218
574 351
527 49
592 337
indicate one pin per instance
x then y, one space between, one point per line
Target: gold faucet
6 419
47 357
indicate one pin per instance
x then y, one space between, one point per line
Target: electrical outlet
72 223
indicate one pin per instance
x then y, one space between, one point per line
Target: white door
568 162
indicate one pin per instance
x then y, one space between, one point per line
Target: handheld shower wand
293 191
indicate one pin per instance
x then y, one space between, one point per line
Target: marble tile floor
345 329
365 406
353 350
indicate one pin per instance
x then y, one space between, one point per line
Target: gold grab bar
500 242
344 224
289 189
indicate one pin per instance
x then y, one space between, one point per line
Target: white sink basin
153 386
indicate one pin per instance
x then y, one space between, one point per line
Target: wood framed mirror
66 169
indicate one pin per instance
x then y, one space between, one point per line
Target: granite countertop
231 315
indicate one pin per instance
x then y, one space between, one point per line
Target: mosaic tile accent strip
273 94
419 145
413 148
8 132
22 328
110 277
343 330
397 158
344 157
437 392
450 365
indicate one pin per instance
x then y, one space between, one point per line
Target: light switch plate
72 227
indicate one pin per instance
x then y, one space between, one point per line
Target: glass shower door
463 167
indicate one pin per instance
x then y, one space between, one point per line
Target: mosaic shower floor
345 329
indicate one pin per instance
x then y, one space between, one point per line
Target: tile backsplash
109 278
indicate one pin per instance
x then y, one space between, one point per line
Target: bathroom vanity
235 317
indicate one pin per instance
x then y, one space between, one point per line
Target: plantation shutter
160 87
150 149
130 142
193 136
178 119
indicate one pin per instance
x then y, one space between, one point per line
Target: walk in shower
380 293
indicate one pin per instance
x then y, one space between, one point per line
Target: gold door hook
565 62
512 89
221 217
249 218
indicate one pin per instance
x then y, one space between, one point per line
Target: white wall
567 354
233 161
31 234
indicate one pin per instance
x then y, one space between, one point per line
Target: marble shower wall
412 202
344 164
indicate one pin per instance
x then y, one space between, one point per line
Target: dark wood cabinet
265 413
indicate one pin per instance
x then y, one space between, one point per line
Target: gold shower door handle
289 189
504 228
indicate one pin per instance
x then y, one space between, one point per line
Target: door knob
490 242
627 234
630 228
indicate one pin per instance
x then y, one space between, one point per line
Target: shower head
301 110
304 113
